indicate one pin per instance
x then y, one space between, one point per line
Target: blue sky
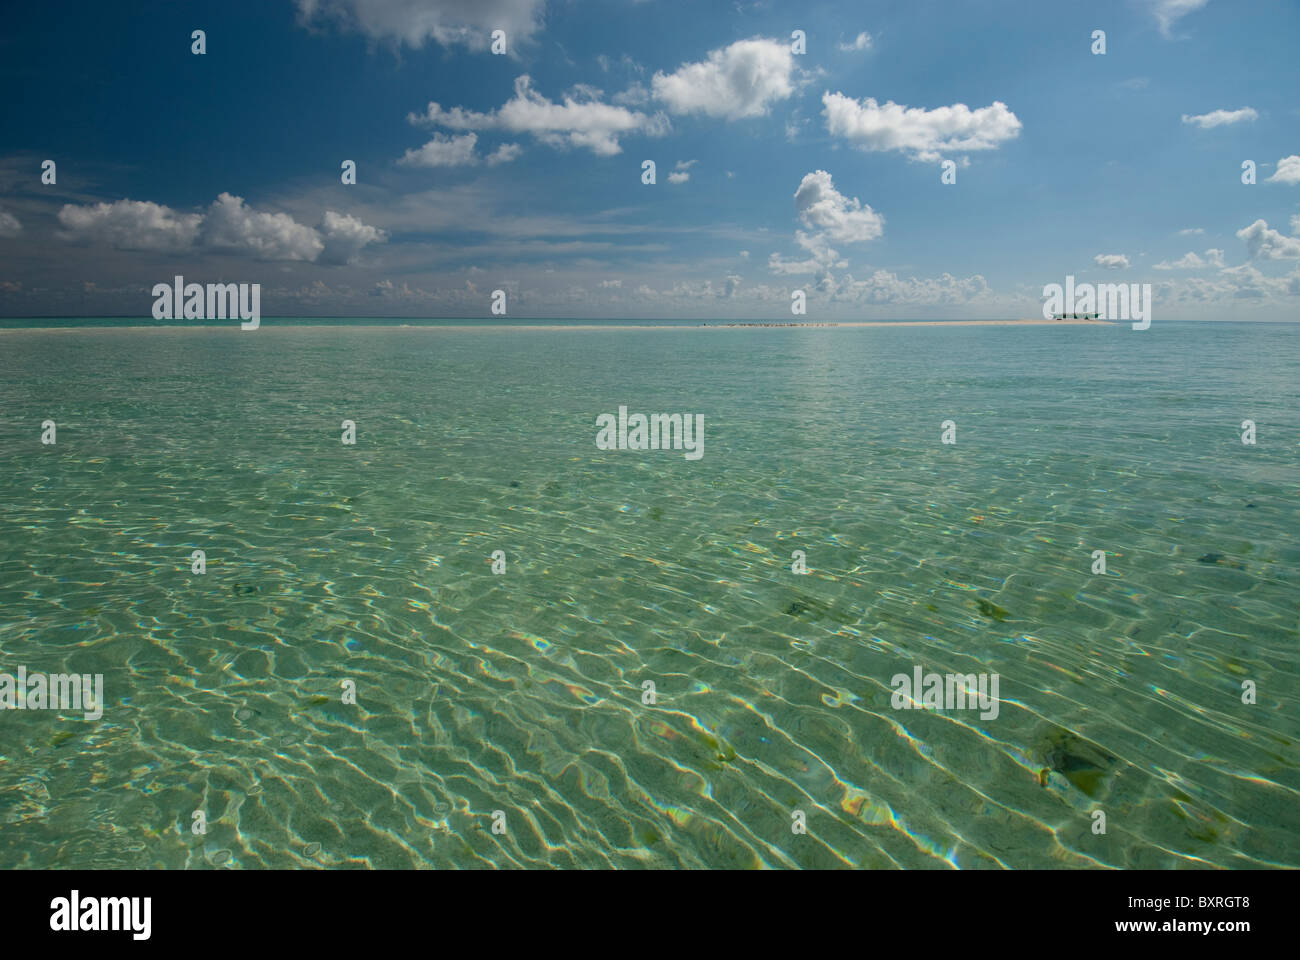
775 170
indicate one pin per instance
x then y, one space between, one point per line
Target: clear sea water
523 692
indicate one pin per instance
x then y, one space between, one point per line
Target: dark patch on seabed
810 608
801 605
1081 762
991 610
1219 560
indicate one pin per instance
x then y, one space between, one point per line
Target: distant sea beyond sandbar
86 324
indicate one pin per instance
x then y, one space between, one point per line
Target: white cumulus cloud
843 219
580 121
915 130
741 80
1221 118
344 236
443 150
821 260
131 225
1191 261
504 154
229 225
678 177
1288 171
828 216
1265 244
861 42
1111 261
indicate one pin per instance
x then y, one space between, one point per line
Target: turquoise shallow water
522 692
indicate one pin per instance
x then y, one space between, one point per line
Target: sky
796 146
